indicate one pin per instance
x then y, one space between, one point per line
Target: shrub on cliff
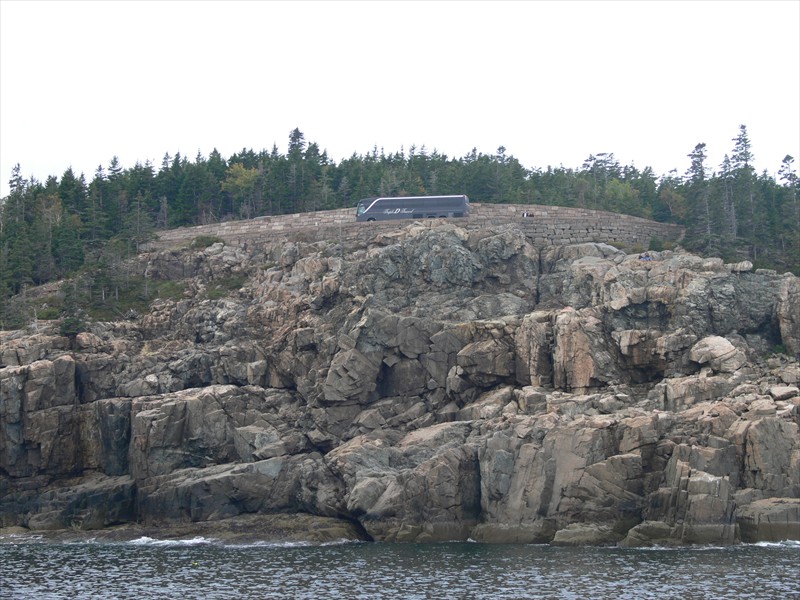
204 241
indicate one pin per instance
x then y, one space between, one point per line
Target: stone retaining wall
544 225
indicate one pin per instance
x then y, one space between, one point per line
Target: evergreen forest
84 230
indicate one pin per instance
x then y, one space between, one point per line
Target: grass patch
224 286
204 241
132 298
659 245
49 313
46 308
99 296
780 349
168 290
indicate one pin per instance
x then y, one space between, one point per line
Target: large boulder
420 487
720 354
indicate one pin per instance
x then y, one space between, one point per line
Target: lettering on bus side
397 211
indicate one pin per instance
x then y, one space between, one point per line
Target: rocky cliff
431 383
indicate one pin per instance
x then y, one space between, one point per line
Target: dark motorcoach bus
412 207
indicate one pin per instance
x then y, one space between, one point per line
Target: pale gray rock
719 353
784 392
580 534
95 503
770 520
420 487
351 378
533 349
788 314
741 267
790 374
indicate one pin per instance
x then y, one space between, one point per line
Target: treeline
51 229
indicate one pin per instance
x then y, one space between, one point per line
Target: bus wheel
368 220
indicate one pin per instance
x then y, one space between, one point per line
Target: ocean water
202 568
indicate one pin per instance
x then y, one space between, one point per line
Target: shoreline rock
431 384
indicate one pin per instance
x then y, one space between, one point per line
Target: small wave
702 548
341 542
781 544
199 540
91 540
671 548
148 541
19 538
264 544
301 544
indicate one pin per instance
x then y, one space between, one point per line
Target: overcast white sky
553 82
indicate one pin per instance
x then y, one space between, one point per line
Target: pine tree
73 192
697 195
728 204
790 215
743 186
49 213
95 215
138 225
15 204
67 246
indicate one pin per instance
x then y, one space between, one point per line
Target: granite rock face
433 383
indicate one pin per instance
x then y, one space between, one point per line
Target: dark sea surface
202 568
